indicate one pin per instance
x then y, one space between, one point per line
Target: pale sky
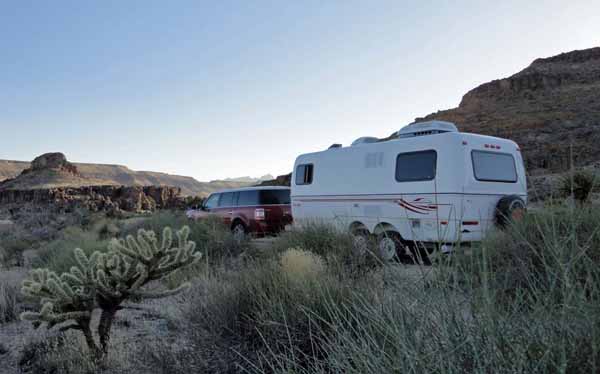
216 89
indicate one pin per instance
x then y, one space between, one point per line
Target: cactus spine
105 280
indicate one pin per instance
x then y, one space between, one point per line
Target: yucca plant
580 185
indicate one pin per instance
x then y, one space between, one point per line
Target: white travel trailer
432 185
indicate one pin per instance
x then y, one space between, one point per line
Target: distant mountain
551 109
97 174
251 180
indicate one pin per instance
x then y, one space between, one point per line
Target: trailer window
494 167
416 166
304 174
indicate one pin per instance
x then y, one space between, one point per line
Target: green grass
58 255
526 300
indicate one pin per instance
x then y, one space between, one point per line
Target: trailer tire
390 245
360 242
509 209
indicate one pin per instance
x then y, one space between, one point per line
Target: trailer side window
304 174
494 167
416 166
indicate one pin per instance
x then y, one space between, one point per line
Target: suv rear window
248 198
416 166
304 174
274 197
494 167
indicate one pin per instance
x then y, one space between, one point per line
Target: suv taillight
259 214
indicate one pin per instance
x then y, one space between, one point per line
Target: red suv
256 210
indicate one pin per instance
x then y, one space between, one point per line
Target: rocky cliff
551 108
51 180
119 175
97 198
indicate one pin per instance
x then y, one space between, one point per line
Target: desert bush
9 297
56 354
12 247
552 252
439 332
52 255
526 301
580 184
338 248
214 238
105 281
236 318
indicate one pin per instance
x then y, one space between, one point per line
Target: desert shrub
439 332
551 252
105 280
12 247
526 301
321 238
9 297
56 254
338 248
214 238
581 184
236 318
56 354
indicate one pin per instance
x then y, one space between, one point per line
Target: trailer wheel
360 244
509 209
389 245
417 253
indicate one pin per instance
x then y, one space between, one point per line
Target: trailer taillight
259 214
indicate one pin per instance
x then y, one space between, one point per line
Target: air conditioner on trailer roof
365 140
426 128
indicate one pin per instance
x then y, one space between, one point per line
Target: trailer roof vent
365 140
426 128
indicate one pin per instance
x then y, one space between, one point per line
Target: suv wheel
239 231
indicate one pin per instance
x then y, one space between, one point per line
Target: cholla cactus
105 280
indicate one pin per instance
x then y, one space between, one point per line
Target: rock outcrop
97 198
551 109
54 182
56 161
62 173
281 180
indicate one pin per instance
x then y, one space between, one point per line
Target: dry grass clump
554 252
10 295
527 300
8 302
300 265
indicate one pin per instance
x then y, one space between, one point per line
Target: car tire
239 231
